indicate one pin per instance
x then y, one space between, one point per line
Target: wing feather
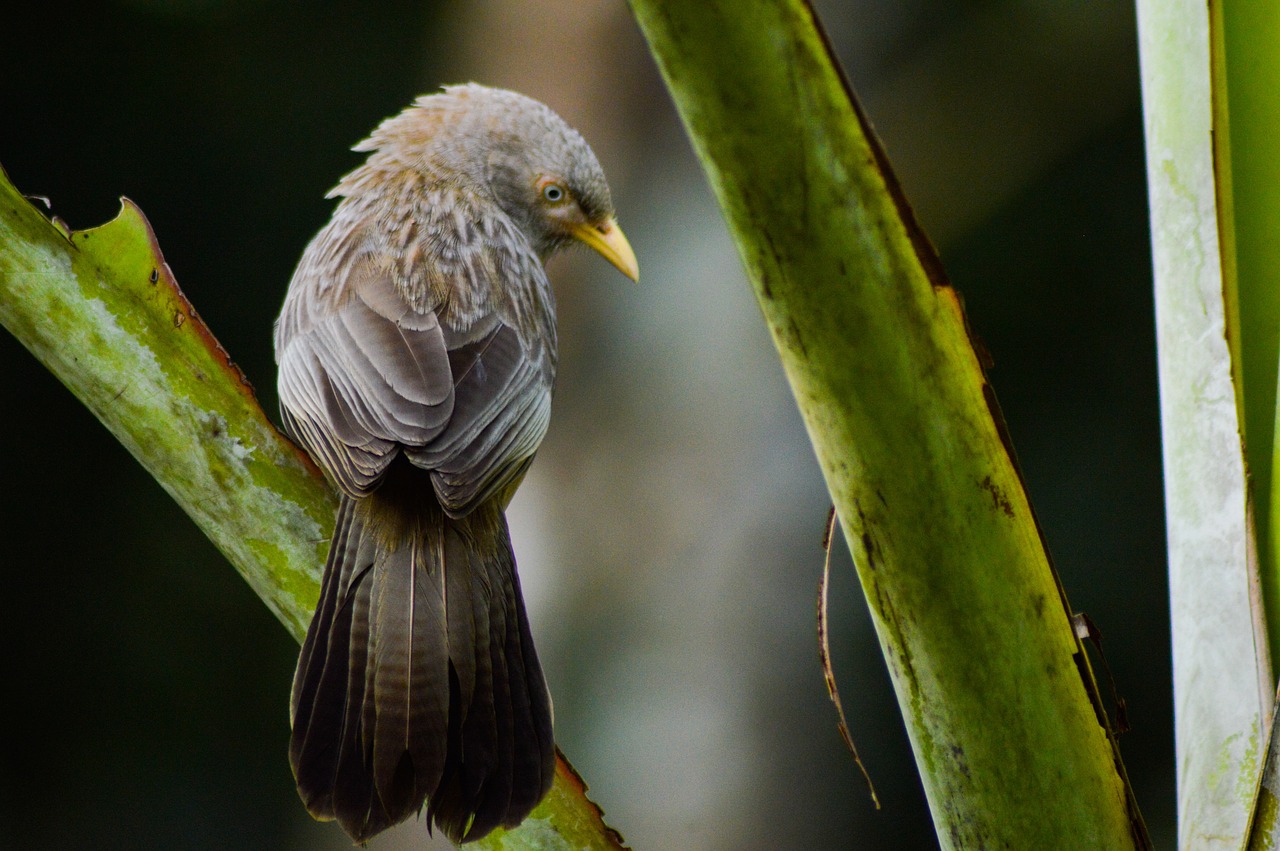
365 376
502 399
358 383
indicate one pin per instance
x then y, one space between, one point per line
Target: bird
416 357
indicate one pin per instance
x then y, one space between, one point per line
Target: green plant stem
998 698
1247 116
1222 679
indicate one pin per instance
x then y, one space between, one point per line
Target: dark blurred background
669 534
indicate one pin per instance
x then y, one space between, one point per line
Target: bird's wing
502 403
363 377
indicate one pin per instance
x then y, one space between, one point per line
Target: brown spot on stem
998 498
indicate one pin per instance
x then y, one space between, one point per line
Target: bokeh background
669 534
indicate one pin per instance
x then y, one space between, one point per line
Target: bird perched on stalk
417 352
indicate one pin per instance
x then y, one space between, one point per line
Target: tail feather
495 778
532 770
468 617
315 645
410 694
473 716
318 687
418 682
358 809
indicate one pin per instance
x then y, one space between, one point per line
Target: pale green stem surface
1247 114
997 696
101 310
1246 80
1221 669
1252 43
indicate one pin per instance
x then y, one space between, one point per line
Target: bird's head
530 163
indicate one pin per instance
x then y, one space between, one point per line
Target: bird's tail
418 680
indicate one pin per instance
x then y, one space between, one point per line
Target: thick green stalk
1221 668
998 699
1247 116
101 310
1246 76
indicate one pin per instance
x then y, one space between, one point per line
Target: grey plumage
417 353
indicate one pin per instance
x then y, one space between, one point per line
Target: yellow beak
608 240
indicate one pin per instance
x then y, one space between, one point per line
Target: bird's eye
553 192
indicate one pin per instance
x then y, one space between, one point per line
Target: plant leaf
996 691
1221 672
